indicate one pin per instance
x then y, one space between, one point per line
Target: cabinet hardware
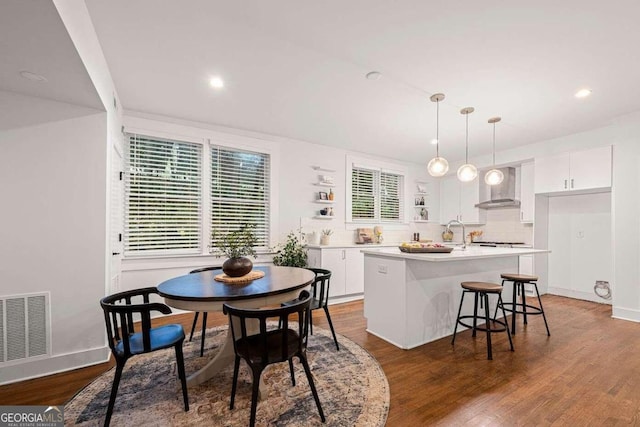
344 255
571 182
565 184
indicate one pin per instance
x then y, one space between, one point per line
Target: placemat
252 275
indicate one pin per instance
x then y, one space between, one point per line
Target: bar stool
481 290
519 280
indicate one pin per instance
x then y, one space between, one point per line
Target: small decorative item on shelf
474 235
377 232
424 214
326 179
235 245
331 195
325 238
324 211
322 195
330 213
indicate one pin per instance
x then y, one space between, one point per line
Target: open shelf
326 202
321 169
324 184
323 217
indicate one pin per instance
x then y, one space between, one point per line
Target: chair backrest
320 285
200 270
118 316
239 328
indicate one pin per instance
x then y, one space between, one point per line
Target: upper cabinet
458 200
579 171
527 195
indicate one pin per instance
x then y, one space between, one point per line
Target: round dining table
201 292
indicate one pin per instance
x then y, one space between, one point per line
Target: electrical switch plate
382 268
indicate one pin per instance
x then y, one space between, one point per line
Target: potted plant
324 238
292 253
235 246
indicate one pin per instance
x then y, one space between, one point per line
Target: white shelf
421 206
327 202
417 193
321 169
324 184
323 217
423 220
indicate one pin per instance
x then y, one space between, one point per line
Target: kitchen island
412 298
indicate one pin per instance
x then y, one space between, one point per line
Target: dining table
201 292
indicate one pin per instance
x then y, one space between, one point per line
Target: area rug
352 387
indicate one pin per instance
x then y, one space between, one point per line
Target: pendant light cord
494 144
438 128
466 154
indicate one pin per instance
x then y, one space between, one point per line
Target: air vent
24 327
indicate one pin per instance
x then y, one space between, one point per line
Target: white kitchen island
412 299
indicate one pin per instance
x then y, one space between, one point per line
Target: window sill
162 262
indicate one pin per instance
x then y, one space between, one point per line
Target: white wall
52 238
580 243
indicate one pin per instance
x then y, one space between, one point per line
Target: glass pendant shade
467 172
438 166
493 177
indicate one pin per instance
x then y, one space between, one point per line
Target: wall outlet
382 268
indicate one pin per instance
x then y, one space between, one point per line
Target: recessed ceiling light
583 93
33 76
434 141
216 82
374 75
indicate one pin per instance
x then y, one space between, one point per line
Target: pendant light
494 176
438 166
467 172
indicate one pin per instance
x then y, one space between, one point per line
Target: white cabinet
527 195
346 266
578 171
525 264
458 200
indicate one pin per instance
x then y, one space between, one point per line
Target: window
177 192
376 195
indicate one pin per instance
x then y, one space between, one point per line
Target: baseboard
53 365
569 293
626 314
345 298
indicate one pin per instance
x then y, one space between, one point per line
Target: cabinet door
591 169
314 258
469 197
354 271
334 261
527 196
525 264
449 199
551 174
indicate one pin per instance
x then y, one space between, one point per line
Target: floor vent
24 327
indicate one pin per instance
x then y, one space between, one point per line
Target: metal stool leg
514 306
506 324
495 313
542 309
524 302
475 313
487 320
453 340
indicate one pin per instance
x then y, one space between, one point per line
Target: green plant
327 232
235 244
292 253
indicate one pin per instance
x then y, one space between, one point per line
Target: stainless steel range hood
503 195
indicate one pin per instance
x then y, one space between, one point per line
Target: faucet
448 229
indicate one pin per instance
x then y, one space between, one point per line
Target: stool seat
490 288
519 277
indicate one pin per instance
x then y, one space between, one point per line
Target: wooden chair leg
293 376
307 371
193 327
333 332
204 330
182 375
236 366
114 390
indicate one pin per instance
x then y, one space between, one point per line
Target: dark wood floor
586 373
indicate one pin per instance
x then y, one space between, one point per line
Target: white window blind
376 195
163 196
240 192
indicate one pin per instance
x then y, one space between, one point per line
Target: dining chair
204 313
268 346
119 310
320 298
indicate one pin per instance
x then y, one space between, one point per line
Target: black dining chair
119 310
204 313
320 298
268 346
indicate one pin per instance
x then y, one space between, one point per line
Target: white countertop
471 252
355 245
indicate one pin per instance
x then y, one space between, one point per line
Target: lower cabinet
346 266
525 264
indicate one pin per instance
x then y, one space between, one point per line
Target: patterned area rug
352 387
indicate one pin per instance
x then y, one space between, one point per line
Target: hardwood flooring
586 373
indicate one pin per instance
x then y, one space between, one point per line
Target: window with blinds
163 202
376 195
240 192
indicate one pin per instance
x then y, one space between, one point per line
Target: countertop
471 252
355 245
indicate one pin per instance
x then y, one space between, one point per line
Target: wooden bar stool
481 291
515 307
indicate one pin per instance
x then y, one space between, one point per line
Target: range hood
503 195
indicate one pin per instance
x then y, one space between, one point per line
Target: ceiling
34 39
297 69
